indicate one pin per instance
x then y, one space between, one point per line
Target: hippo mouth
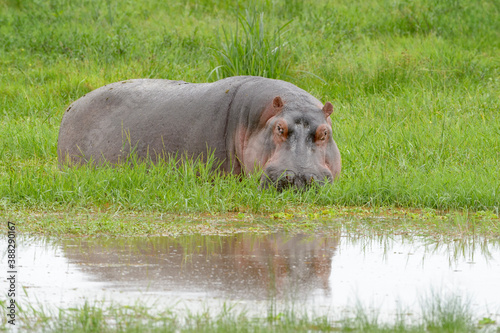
296 180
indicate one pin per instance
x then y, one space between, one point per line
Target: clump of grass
439 315
450 314
250 49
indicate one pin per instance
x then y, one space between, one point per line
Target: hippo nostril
299 181
284 183
289 177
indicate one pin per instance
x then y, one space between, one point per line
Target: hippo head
294 145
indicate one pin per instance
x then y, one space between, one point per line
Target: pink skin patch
253 154
250 147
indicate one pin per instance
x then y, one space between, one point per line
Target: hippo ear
270 112
277 102
327 109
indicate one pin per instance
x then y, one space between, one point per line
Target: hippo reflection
244 265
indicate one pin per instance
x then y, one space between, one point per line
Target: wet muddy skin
319 272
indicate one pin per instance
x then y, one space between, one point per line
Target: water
319 273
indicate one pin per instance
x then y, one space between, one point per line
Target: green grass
415 86
251 50
450 314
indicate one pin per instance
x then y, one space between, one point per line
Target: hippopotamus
248 123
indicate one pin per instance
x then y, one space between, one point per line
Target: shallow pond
319 273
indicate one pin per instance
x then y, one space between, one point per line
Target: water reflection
322 272
245 266
454 250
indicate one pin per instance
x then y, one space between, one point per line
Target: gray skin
247 122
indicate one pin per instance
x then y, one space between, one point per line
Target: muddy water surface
320 273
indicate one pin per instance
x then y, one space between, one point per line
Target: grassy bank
369 222
415 86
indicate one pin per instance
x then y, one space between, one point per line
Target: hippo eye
322 135
280 129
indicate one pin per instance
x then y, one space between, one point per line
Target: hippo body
247 122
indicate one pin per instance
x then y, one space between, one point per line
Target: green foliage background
415 86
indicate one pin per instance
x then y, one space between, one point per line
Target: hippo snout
299 180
